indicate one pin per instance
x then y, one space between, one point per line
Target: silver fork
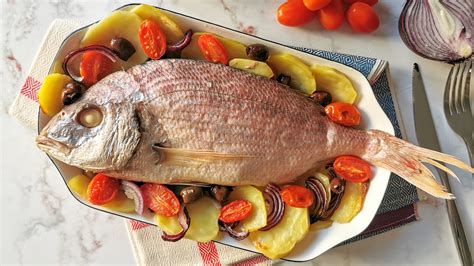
457 105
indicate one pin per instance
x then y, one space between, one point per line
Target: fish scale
176 120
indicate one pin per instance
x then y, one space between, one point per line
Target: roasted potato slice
258 218
50 93
234 49
301 77
171 30
204 215
334 82
78 184
252 66
121 203
170 224
320 225
280 240
351 203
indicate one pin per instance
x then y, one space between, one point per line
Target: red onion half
276 209
438 30
184 221
108 52
132 191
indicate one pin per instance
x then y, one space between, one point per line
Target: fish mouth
49 145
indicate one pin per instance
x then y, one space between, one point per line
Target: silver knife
427 138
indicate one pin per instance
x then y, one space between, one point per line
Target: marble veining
43 224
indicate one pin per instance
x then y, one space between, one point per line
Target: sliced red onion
333 204
438 30
108 52
132 191
320 203
180 45
184 221
229 227
276 209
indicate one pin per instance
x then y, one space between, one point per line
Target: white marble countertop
42 224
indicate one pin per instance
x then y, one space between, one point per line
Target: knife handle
456 224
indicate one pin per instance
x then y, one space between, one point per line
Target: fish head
98 132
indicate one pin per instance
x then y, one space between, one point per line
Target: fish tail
406 160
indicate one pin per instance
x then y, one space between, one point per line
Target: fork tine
447 93
456 99
466 105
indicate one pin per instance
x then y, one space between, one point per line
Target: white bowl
373 116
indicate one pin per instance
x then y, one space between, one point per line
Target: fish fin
406 160
185 157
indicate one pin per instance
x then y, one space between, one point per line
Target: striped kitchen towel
397 208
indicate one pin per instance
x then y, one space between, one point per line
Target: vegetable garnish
184 220
160 199
229 227
102 189
94 67
331 16
352 168
343 113
369 2
321 203
362 18
237 210
276 206
152 39
316 4
132 191
297 196
294 13
438 30
212 49
100 49
182 43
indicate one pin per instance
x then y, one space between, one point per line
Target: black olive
322 97
257 52
71 92
123 47
191 194
284 79
220 193
337 185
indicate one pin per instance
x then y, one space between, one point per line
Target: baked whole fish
172 121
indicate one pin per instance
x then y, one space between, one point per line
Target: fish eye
90 117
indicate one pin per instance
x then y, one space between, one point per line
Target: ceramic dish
316 242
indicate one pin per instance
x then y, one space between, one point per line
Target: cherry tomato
297 196
316 4
152 39
369 2
212 49
331 16
352 168
94 66
102 189
237 210
362 18
160 199
294 13
343 113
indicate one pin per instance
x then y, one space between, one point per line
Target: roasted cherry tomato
102 189
294 13
152 39
297 196
237 210
352 168
343 113
369 2
160 199
316 4
362 18
331 16
212 49
94 66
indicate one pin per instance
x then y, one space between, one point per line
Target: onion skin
277 206
419 28
184 221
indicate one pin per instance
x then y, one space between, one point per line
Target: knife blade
427 138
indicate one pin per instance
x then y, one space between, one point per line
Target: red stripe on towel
30 88
137 225
209 254
252 261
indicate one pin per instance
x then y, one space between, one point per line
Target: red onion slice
108 52
272 196
229 227
438 30
320 198
184 221
180 45
132 191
